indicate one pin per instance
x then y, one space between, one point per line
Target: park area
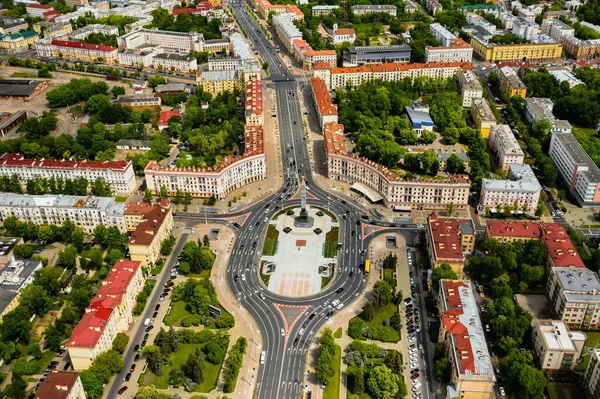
565 392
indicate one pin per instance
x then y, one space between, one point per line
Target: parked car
122 390
132 368
136 358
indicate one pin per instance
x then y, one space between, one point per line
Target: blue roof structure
418 119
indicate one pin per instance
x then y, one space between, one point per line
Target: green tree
443 272
18 387
117 91
106 364
442 369
450 208
393 361
147 195
382 293
163 194
455 164
382 383
92 385
155 360
120 342
67 257
194 367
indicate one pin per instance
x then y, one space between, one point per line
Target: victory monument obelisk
303 220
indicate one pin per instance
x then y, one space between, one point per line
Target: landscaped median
270 247
331 242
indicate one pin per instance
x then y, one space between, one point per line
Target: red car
122 390
132 368
414 376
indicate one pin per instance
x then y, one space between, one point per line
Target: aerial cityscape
314 199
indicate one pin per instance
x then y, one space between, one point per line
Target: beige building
591 380
215 82
109 313
482 116
76 51
458 51
18 42
470 87
503 143
154 227
555 347
472 375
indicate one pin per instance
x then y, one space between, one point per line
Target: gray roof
522 179
173 56
580 284
13 277
578 154
170 87
19 87
134 143
379 49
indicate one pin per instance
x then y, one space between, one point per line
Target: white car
502 393
415 382
243 277
282 332
415 389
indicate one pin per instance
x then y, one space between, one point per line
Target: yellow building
482 116
511 83
216 82
515 52
18 42
49 29
215 3
154 227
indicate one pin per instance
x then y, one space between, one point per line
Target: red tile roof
499 228
456 43
58 385
344 31
322 65
165 116
18 161
109 296
560 247
444 234
254 139
254 97
333 134
86 46
42 6
323 99
138 208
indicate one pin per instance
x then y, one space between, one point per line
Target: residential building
525 28
18 42
448 240
52 29
591 380
119 174
556 348
154 226
418 116
481 23
444 154
37 10
15 275
374 8
61 384
109 313
76 51
566 76
537 108
224 63
472 375
216 45
470 87
136 58
442 34
220 180
579 48
308 57
504 144
515 52
240 48
254 103
9 121
573 295
84 32
165 117
511 83
458 51
433 6
178 42
576 168
521 189
86 212
175 62
326 110
135 145
12 25
485 7
361 55
318 11
286 30
557 29
138 101
216 82
341 35
80 12
22 89
482 116
76 3
507 232
341 77
379 184
410 7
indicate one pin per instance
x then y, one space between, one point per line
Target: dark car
237 225
312 316
305 324
329 313
146 336
154 315
414 376
137 347
157 307
296 341
353 233
132 368
351 274
136 358
236 278
149 328
122 390
339 290
54 363
414 371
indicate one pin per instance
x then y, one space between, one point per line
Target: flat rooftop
578 154
379 49
13 276
579 285
522 179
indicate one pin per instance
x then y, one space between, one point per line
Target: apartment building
576 168
525 28
326 110
77 51
537 108
557 29
220 180
566 76
341 77
136 58
18 42
521 188
480 23
61 385
37 10
574 295
254 103
472 375
286 30
119 174
175 62
448 240
318 11
240 48
510 82
52 29
362 55
138 101
265 7
86 212
374 8
591 380
556 348
12 25
216 82
410 7
503 143
507 232
470 87
515 52
179 42
341 35
458 51
379 184
442 35
433 6
578 48
224 63
15 276
483 117
80 12
154 226
109 313
84 32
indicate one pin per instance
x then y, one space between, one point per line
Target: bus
367 266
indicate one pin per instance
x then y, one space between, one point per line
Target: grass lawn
565 392
331 242
389 274
270 247
77 110
338 333
581 132
157 269
211 371
434 330
203 274
593 338
325 281
371 29
23 75
332 391
381 314
120 199
178 312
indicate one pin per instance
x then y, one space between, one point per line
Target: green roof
25 35
478 6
